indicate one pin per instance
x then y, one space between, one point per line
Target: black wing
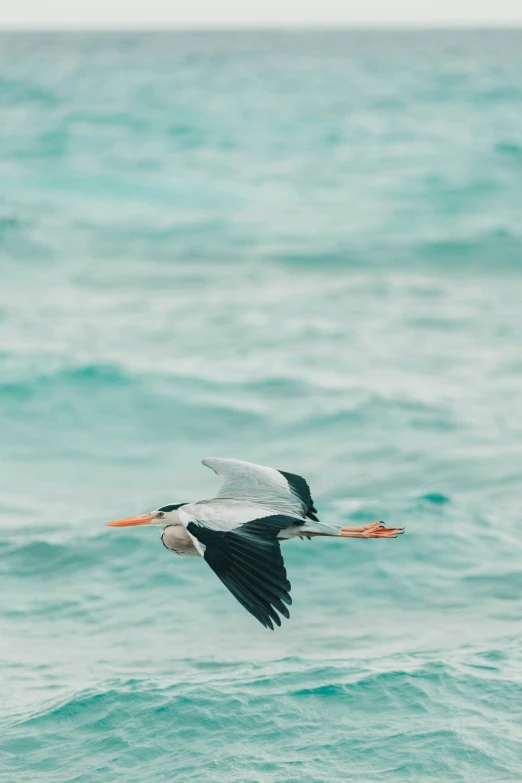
249 562
300 487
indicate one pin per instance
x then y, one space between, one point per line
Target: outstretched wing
285 493
249 562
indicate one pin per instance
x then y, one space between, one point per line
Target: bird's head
166 515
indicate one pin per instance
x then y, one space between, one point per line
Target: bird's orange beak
143 519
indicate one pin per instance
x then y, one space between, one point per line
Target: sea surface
302 249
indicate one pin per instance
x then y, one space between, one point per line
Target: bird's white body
248 492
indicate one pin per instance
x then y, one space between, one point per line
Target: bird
239 532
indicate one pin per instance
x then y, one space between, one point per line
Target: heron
239 532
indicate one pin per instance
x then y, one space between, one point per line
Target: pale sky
252 13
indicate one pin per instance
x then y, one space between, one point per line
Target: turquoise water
300 249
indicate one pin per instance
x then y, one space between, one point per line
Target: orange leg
375 530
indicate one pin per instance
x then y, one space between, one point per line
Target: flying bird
239 532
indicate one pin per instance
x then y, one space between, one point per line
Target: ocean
302 249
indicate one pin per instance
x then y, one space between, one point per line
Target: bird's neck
174 518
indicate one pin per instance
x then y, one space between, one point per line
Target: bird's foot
379 530
375 530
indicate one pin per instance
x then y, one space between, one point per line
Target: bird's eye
161 514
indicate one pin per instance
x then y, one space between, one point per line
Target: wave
215 681
436 497
510 149
339 721
394 412
499 250
91 375
494 250
32 551
108 397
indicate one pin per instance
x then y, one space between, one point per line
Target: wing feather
249 562
282 492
